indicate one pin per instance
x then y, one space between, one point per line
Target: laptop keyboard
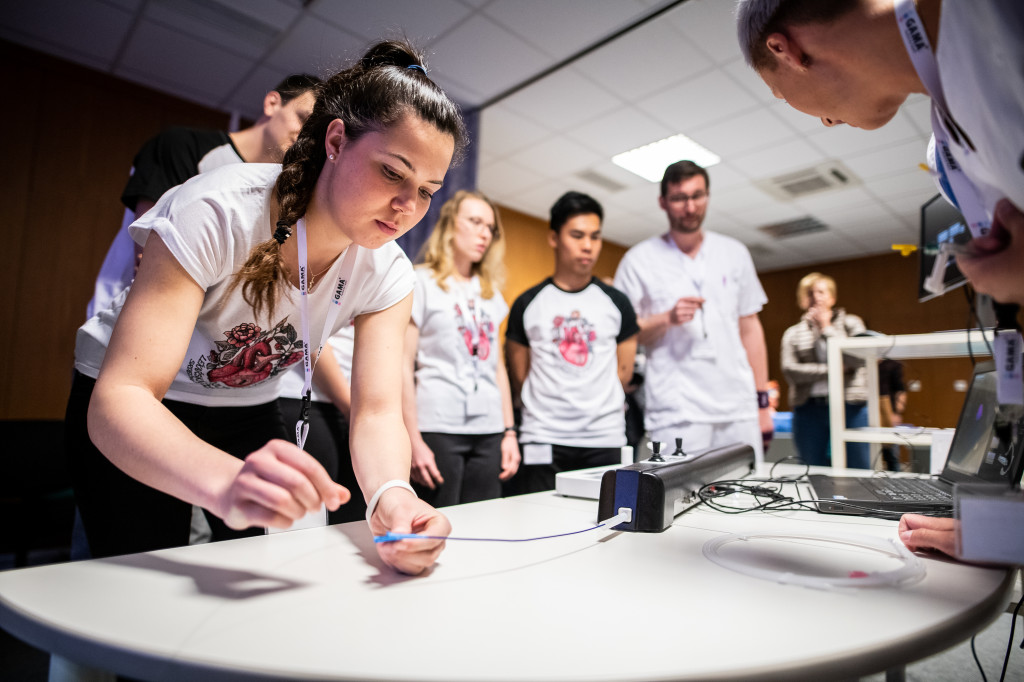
907 490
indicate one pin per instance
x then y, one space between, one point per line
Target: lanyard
1006 349
308 360
965 193
465 300
690 266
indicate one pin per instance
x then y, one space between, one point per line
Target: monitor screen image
940 222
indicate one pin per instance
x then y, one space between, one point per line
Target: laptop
986 448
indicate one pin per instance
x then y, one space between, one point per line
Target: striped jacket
803 358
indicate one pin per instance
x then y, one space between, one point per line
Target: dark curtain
462 176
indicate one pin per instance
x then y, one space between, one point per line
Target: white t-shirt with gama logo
455 392
210 224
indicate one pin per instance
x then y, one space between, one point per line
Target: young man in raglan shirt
570 345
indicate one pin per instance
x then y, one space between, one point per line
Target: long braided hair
371 96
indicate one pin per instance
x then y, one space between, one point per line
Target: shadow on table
361 538
210 580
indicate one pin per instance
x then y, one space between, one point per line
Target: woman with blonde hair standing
457 399
806 370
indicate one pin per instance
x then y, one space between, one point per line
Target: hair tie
417 67
282 232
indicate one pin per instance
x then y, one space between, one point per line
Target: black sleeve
621 301
167 160
516 329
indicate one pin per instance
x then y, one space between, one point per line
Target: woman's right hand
277 485
819 316
424 466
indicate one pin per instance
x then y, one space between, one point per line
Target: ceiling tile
421 22
317 47
766 214
889 160
841 199
742 197
219 23
744 133
247 97
130 5
698 101
271 12
748 79
486 59
778 159
562 100
200 68
844 140
503 132
901 184
710 26
86 31
561 29
624 67
725 176
918 108
619 131
556 158
619 176
504 179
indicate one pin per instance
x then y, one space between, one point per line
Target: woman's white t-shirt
455 391
210 224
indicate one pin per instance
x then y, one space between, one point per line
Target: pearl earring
331 157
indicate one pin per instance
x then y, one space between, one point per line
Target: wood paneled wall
70 134
70 139
882 290
529 258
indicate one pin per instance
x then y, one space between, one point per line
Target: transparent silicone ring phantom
911 570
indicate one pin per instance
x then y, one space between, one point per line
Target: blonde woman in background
804 366
457 401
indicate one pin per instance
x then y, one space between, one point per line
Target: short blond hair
808 281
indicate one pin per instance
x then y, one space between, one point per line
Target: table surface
318 604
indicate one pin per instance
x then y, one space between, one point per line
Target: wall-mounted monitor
940 222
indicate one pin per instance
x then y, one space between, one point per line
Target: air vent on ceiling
236 23
602 181
792 228
759 250
820 178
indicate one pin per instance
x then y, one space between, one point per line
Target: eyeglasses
479 224
696 197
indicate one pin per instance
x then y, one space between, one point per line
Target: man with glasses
697 299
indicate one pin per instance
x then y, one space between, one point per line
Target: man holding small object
697 299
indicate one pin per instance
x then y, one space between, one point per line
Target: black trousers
469 464
534 478
121 515
327 442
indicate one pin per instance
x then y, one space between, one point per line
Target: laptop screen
986 445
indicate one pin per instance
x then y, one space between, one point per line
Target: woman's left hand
399 511
510 457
